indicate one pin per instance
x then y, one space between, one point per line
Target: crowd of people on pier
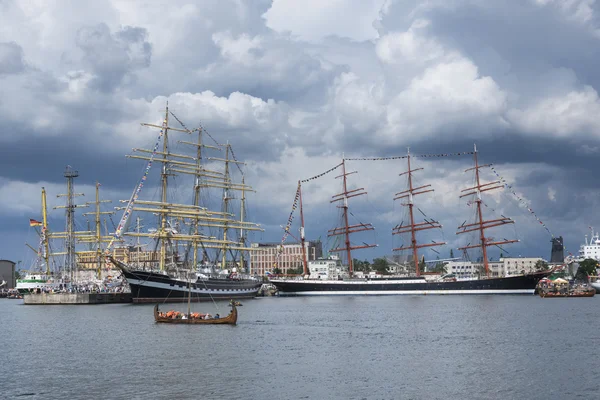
82 288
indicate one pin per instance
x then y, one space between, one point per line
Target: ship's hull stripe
140 284
510 285
404 292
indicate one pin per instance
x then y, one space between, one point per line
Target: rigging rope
520 200
320 175
137 190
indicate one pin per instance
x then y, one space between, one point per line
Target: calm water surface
404 347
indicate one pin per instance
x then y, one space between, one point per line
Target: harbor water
397 347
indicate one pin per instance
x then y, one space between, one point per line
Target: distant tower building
7 274
558 252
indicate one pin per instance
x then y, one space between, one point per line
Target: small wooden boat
573 293
176 317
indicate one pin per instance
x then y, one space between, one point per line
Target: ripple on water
445 347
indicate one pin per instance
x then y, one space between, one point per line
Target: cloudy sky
295 86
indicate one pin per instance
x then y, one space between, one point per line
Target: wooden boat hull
590 293
230 319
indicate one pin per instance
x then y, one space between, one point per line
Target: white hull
29 286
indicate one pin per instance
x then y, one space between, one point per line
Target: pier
76 298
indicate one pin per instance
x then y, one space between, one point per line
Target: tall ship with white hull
343 280
190 239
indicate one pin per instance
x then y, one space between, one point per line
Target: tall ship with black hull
196 250
339 279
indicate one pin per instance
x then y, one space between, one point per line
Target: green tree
277 271
440 268
296 271
541 265
381 265
363 266
586 267
367 265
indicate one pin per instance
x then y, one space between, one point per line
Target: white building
503 267
326 268
519 265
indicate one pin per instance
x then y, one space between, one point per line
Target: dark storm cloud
473 73
518 43
11 58
112 56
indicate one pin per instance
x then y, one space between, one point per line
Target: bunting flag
323 174
138 189
286 230
521 200
402 157
33 222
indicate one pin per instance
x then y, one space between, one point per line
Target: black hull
524 284
151 287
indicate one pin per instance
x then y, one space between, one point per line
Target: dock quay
75 298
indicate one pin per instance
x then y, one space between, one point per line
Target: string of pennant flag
138 189
296 198
323 174
520 199
406 156
286 231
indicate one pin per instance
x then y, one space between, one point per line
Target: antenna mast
70 261
480 224
347 229
413 228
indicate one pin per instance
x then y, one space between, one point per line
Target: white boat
595 283
38 280
591 249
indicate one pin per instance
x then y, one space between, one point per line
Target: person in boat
207 316
217 316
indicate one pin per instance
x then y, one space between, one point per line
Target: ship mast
177 163
242 216
302 240
198 173
225 210
99 238
347 229
45 231
413 228
70 258
162 234
138 229
481 225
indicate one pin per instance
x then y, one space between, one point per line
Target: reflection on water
404 347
